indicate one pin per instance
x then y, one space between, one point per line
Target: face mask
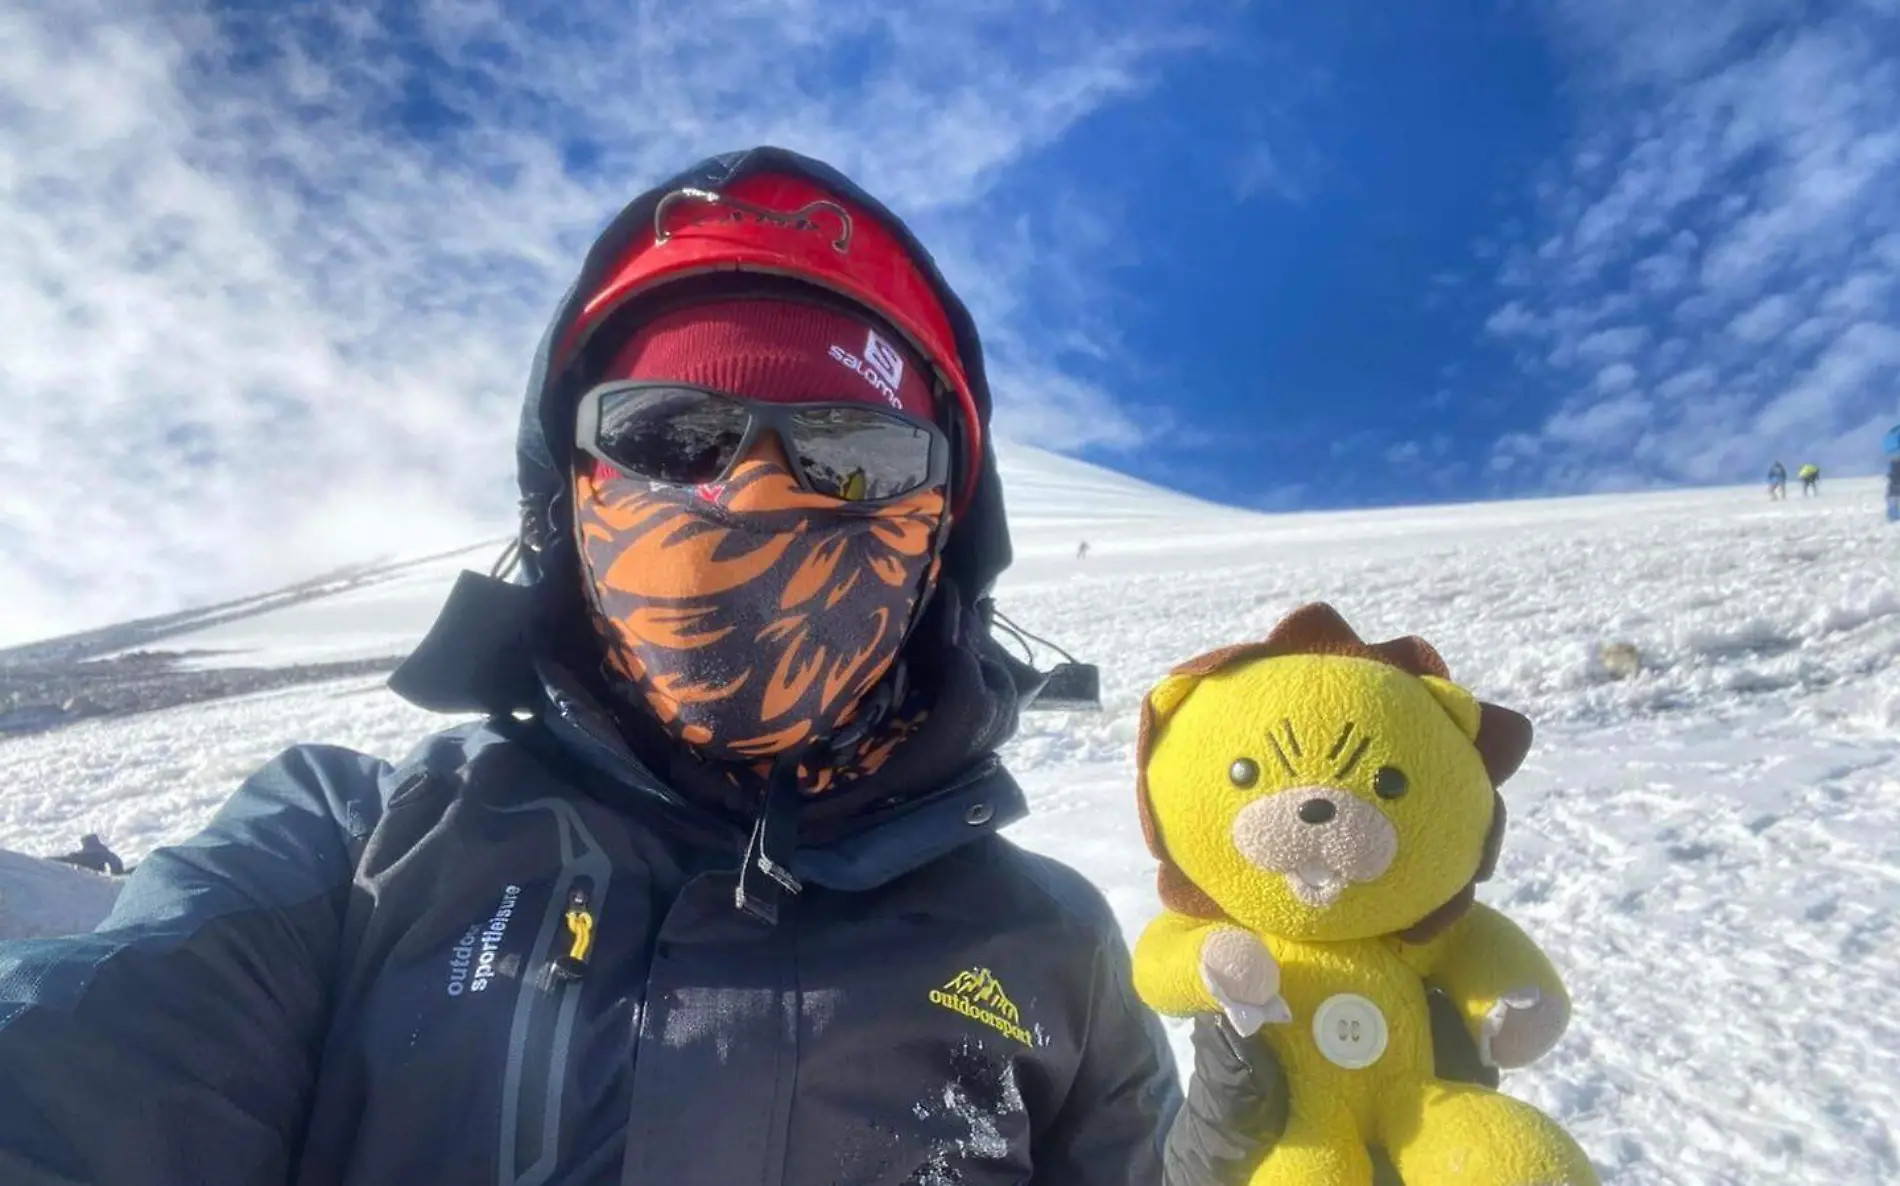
752 617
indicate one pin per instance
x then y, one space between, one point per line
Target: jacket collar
484 655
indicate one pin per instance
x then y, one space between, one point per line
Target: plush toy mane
1504 737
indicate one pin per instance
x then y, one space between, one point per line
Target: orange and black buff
752 618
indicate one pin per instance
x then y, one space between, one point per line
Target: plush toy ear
1156 708
1504 739
1459 704
1167 695
1177 892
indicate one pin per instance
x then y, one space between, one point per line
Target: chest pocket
923 1059
536 1078
460 1030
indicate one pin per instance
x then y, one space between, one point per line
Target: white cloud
1865 354
1607 344
1618 376
1694 381
1053 407
1862 293
1512 320
1730 191
1612 419
1630 43
270 278
1764 320
1668 269
1259 172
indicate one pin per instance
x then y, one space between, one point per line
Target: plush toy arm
1185 966
1504 986
1168 966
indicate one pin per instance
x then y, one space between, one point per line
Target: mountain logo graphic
979 995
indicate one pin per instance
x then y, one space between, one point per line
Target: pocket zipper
571 966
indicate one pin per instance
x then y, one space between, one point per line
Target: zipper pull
571 967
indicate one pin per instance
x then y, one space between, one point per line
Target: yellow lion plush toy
1323 810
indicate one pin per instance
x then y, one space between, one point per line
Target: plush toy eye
1243 773
1390 783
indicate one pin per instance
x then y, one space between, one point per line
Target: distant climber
1082 551
1810 480
1777 482
93 854
1893 489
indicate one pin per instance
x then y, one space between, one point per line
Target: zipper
547 1004
571 966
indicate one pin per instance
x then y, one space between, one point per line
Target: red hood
784 225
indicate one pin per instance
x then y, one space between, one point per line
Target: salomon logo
884 359
882 366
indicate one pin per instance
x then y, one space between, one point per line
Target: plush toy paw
1244 979
1521 1028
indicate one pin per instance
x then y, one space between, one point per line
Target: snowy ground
40 898
1710 850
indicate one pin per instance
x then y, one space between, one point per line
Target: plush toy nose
1321 838
1317 811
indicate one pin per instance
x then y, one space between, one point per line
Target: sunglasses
692 436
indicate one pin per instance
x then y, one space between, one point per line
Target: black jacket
351 975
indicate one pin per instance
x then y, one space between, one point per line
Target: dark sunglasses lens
670 434
860 455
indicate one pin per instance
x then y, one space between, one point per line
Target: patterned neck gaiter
751 618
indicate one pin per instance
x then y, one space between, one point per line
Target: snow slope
1710 850
380 613
39 898
1054 502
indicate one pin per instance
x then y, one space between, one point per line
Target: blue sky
1484 250
274 273
1305 212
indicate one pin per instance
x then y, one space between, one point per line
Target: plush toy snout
1321 839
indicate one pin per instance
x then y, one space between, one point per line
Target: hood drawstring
767 867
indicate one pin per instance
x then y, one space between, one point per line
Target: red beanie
778 351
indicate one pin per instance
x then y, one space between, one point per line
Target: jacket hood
490 649
978 547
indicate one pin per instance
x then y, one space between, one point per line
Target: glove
1244 979
1234 1111
1236 1101
1521 1028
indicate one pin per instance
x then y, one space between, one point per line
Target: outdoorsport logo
978 995
882 366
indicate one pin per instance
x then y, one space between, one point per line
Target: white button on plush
1350 1031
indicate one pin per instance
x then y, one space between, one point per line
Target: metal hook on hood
798 219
